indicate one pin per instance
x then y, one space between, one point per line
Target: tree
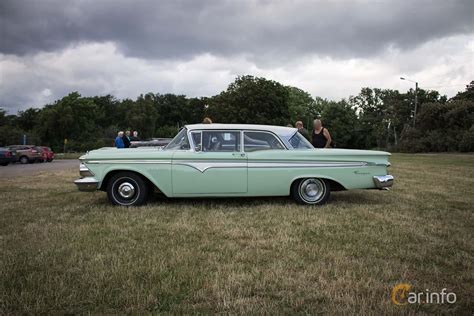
141 115
251 100
341 121
300 105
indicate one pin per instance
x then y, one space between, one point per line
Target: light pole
416 98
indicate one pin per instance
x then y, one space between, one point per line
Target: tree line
375 118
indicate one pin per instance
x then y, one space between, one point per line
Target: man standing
119 140
321 137
126 139
134 136
303 131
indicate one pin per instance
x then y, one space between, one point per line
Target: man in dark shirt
299 125
321 137
126 139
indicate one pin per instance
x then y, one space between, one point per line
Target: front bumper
87 184
383 182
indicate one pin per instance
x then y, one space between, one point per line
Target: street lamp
416 98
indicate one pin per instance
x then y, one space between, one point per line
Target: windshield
179 142
298 141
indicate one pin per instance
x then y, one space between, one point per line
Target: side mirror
197 148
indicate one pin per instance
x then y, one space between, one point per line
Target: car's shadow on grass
356 197
337 198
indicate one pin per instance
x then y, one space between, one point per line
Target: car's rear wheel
313 191
24 160
127 189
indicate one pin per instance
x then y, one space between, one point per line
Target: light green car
230 160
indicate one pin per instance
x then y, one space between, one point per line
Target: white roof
279 130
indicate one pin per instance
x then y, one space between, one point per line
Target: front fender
159 174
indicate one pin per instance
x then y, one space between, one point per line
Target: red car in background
47 153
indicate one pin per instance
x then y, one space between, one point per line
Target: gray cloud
49 48
265 31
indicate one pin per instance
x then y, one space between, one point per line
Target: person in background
126 139
321 137
119 140
303 131
207 120
134 136
289 125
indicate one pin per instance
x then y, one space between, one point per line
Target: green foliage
375 118
341 121
167 131
441 127
251 100
300 105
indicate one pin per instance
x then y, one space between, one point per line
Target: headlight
84 171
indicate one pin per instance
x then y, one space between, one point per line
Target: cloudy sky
331 49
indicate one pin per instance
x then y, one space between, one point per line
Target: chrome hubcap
312 190
126 190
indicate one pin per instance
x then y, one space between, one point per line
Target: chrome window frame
187 135
192 139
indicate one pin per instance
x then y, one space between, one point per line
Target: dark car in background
7 156
26 153
47 153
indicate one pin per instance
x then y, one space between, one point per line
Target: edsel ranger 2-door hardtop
231 160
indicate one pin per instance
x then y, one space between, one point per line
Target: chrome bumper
383 182
87 184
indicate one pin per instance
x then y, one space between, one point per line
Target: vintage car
232 160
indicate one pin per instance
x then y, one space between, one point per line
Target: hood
112 153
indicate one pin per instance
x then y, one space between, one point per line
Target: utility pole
416 98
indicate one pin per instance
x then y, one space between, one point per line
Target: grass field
71 252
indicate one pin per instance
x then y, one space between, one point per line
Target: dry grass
71 252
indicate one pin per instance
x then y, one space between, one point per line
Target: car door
267 175
216 165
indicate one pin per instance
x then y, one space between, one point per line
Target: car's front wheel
24 160
313 191
127 189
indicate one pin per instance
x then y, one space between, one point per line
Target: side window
197 140
260 141
220 141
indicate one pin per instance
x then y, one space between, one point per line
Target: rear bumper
383 182
87 184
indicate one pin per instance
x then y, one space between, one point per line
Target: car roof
279 130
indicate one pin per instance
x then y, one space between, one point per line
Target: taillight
8 154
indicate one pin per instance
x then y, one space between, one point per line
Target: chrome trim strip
134 161
203 165
305 165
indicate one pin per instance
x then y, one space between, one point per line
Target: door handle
238 154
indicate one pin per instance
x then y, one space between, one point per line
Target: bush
166 132
467 141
